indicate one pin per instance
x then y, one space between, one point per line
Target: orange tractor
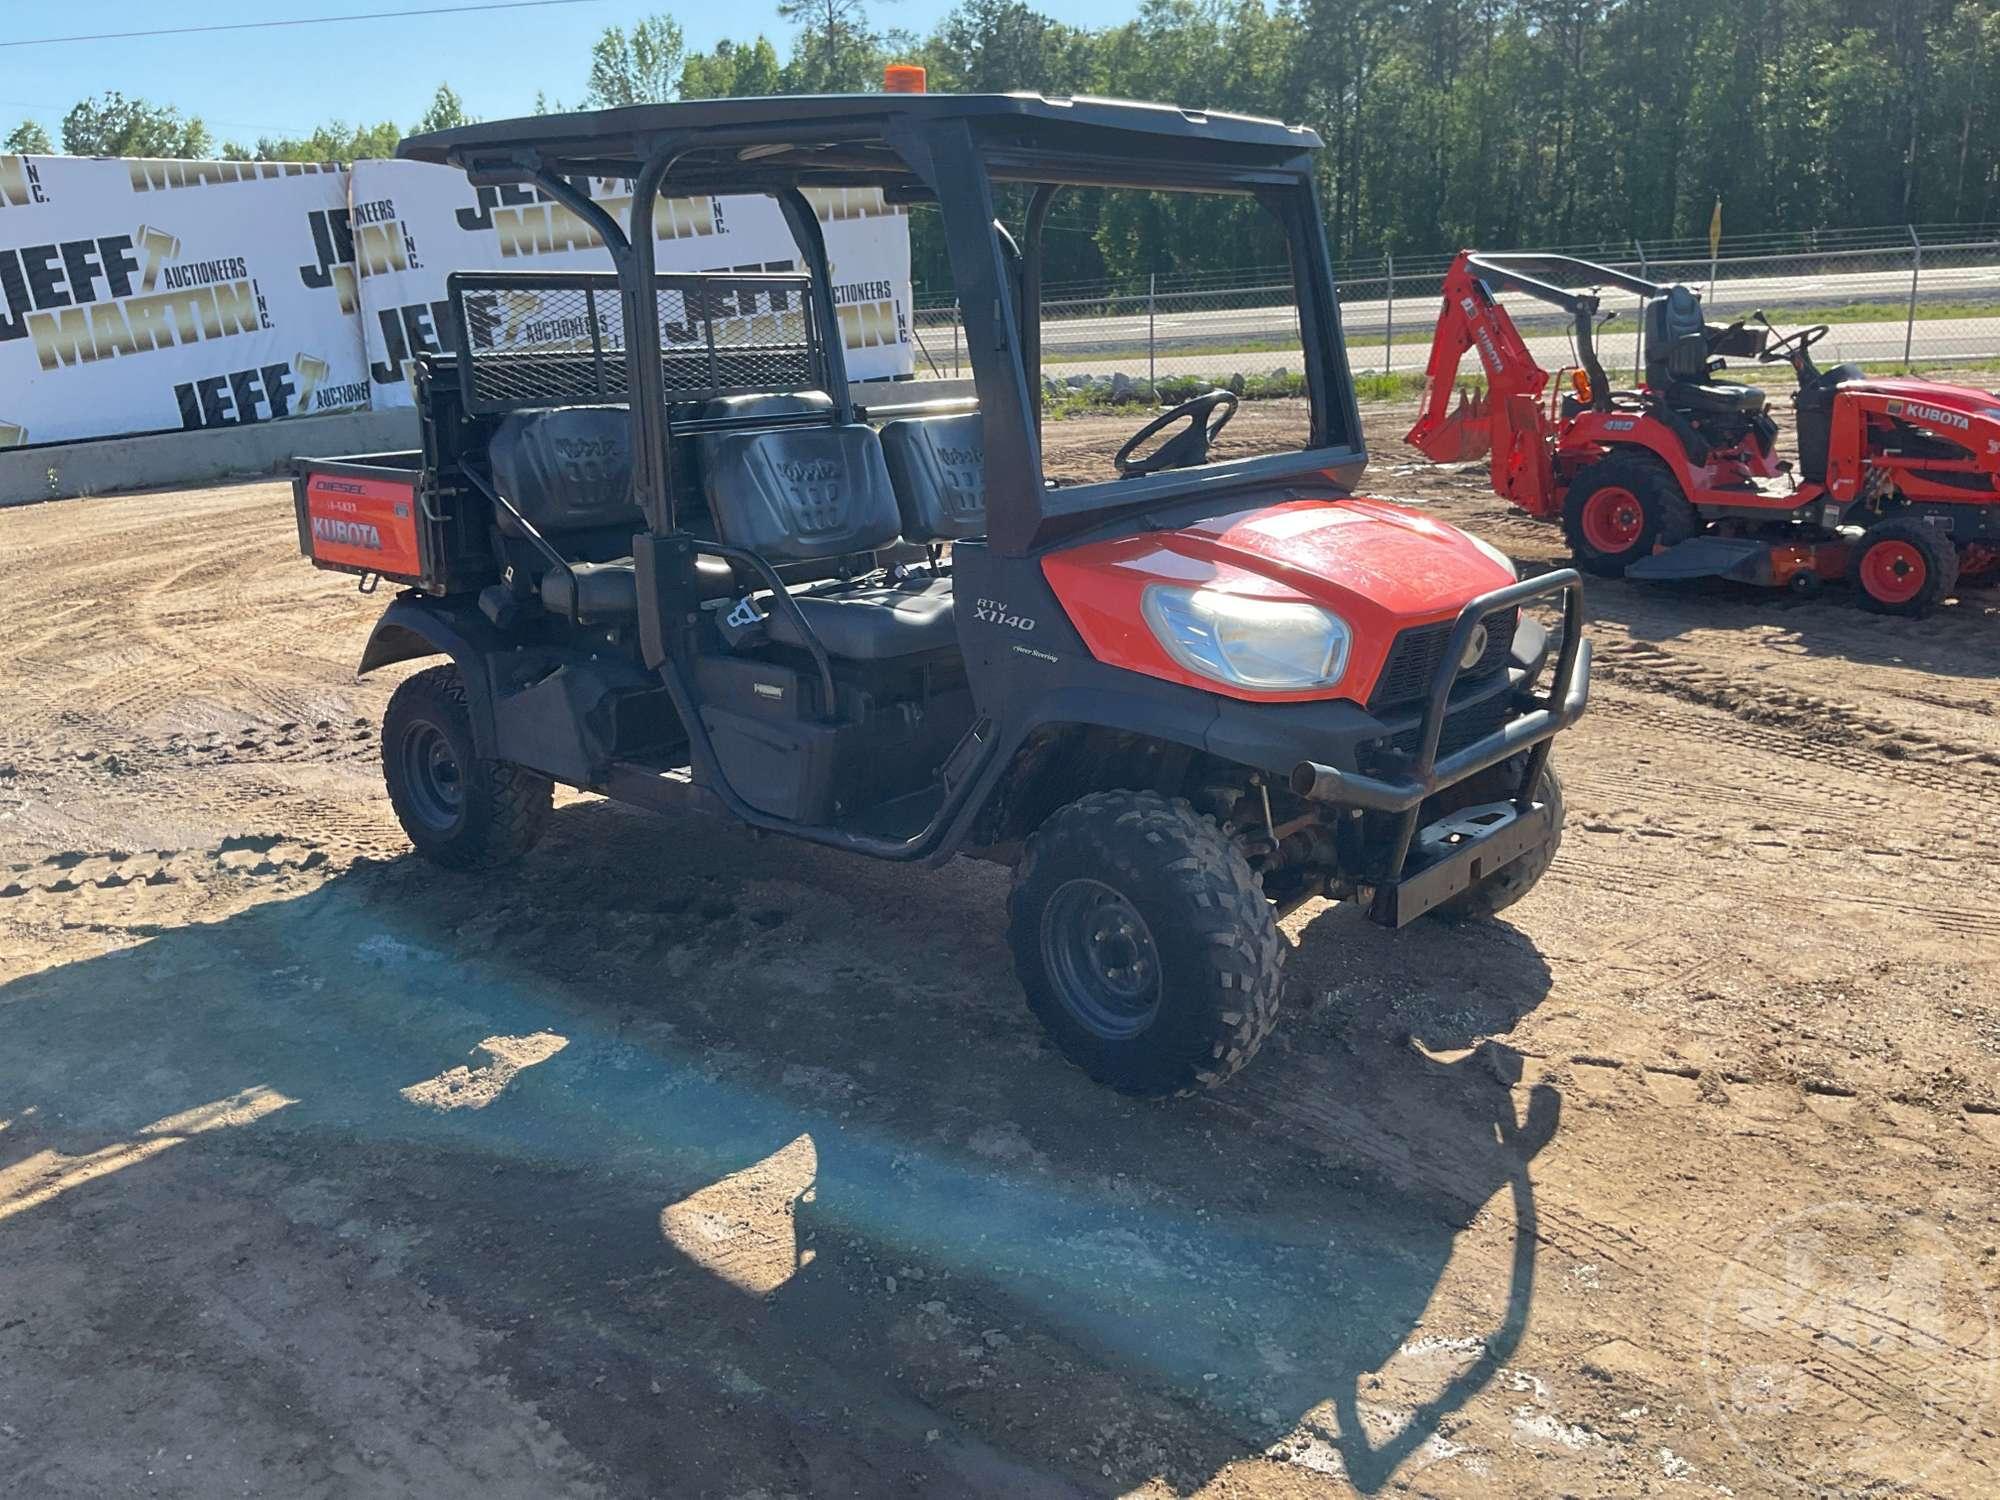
1897 485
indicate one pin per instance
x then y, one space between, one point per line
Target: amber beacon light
902 78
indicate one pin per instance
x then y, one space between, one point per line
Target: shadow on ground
763 1176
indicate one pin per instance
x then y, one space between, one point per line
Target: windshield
1125 334
1234 330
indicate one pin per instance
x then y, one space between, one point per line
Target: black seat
820 490
568 470
1676 338
874 621
1680 365
797 493
938 468
610 590
1716 398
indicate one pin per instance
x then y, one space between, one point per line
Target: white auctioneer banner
412 223
163 296
149 296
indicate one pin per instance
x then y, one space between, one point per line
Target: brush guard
1428 866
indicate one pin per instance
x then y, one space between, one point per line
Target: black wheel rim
1100 957
431 776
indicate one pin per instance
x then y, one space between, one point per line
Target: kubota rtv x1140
672 555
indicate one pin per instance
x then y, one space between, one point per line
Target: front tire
1144 943
460 810
1903 567
1619 510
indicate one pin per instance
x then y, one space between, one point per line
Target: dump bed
389 516
360 514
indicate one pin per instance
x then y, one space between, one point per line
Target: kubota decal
364 523
1936 415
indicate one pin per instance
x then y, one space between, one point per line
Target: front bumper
1422 872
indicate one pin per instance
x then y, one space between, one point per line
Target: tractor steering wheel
1789 348
1206 415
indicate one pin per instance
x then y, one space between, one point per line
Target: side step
661 790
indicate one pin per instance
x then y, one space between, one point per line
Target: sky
283 82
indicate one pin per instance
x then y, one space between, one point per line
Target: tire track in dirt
75 871
1738 734
1847 729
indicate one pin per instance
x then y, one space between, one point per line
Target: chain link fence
1918 297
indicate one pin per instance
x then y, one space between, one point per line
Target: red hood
1967 398
1380 567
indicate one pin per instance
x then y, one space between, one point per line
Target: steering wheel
1206 415
1790 347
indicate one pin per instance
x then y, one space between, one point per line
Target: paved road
1972 341
1193 335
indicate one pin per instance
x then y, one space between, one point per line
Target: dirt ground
681 1163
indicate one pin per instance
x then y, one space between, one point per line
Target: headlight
1253 643
1495 553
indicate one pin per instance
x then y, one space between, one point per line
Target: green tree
734 70
643 67
1580 124
112 125
29 139
447 112
994 46
334 141
834 50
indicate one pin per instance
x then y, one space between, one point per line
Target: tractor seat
1721 399
873 621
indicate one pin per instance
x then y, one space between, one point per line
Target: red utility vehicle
1897 484
672 555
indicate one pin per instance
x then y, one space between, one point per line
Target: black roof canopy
756 144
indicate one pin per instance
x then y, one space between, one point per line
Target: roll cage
952 150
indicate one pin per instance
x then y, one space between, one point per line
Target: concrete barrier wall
110 465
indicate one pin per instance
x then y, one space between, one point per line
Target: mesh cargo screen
558 338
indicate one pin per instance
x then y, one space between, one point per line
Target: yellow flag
1715 230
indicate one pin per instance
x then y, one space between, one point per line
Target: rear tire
460 810
1619 509
1144 943
1512 881
1903 567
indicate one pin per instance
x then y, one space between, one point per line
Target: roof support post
804 224
948 159
1031 291
645 379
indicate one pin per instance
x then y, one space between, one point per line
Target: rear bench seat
795 495
568 469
